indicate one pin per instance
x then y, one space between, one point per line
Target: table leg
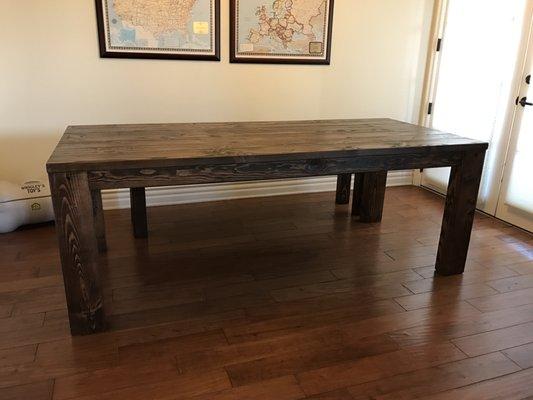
138 212
75 226
369 196
99 222
344 183
459 214
357 193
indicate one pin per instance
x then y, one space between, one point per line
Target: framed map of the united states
173 29
281 31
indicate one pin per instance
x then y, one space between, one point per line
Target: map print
160 26
282 28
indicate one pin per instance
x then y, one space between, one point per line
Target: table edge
54 167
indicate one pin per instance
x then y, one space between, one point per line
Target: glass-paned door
515 202
478 70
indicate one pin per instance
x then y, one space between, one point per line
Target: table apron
205 173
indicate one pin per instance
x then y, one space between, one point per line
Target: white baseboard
163 196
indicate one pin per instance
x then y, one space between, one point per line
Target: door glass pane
474 85
520 191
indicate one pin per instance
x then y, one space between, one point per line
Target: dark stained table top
154 145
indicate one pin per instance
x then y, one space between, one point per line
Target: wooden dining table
89 159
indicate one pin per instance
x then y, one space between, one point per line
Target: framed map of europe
170 29
281 31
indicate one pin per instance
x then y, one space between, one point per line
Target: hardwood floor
281 298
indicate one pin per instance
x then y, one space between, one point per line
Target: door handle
523 102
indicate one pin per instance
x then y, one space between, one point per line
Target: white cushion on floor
22 204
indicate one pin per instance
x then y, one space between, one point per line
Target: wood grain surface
274 298
459 213
138 212
344 188
75 226
252 171
372 187
112 146
99 222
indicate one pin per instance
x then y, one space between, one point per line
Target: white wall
51 76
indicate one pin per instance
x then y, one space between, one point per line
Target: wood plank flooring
282 298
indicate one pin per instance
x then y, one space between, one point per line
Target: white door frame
438 26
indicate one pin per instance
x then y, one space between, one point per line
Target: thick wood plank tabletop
152 145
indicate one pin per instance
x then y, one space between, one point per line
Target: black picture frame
234 58
106 53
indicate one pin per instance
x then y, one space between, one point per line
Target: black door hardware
523 102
